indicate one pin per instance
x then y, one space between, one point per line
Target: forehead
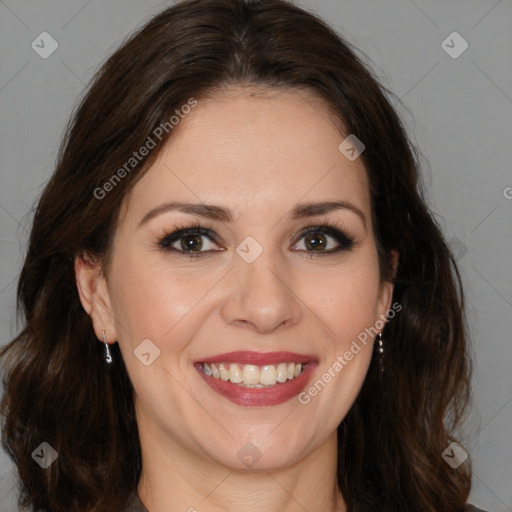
253 150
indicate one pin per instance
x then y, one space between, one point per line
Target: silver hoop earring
108 357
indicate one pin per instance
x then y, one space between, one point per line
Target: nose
261 297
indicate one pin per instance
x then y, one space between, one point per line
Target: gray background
458 112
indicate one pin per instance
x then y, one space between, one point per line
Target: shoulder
134 504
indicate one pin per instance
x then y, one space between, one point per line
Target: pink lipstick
251 378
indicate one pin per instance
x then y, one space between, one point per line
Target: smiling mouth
257 379
253 376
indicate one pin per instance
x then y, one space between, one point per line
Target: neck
176 479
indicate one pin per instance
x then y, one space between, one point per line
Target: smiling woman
273 245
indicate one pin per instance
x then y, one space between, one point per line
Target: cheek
150 301
347 298
347 302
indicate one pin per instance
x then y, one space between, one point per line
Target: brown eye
315 241
191 243
323 240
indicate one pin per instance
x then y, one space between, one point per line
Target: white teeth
268 375
282 372
253 376
235 374
224 372
215 372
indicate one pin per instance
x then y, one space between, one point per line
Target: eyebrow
209 211
222 214
314 209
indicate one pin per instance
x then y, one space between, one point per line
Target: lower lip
260 397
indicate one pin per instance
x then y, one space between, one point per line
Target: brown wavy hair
58 390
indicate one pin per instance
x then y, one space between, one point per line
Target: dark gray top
137 506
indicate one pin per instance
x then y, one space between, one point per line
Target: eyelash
346 242
182 231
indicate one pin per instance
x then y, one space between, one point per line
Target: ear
387 287
94 296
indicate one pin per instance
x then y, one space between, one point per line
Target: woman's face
280 270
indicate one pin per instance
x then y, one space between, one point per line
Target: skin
258 153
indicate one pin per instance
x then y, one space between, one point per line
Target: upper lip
258 358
